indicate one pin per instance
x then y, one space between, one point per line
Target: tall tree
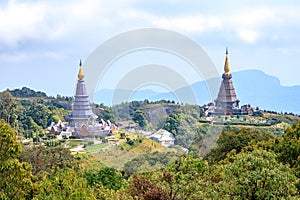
9 147
256 175
16 180
140 117
65 184
108 177
46 161
183 179
6 105
236 140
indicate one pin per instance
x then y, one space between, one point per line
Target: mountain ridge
252 87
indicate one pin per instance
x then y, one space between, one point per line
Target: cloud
253 17
189 23
249 36
21 21
250 23
65 22
56 20
247 24
47 20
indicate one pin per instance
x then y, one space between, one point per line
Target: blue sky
41 42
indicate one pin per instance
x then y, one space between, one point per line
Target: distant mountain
27 92
252 87
265 91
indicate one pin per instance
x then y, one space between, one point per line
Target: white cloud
189 23
248 24
249 36
253 17
55 21
21 21
47 20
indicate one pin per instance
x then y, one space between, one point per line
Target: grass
114 157
148 145
74 142
90 162
96 147
117 156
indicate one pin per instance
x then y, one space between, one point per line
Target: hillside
224 153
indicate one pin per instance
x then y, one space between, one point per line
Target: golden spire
227 66
80 73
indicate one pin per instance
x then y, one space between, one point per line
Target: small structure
163 137
59 129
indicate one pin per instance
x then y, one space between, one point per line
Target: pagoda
226 102
82 119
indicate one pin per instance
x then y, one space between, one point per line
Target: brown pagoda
226 102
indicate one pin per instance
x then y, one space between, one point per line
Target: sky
41 42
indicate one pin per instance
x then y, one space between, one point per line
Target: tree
143 188
173 121
140 118
65 184
6 105
183 179
236 140
34 129
47 161
149 162
288 146
183 123
255 175
105 113
108 177
16 180
9 147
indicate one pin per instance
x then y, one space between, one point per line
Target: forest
247 162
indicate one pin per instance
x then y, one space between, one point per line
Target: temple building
226 102
82 120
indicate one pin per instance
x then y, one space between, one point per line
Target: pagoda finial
227 66
80 73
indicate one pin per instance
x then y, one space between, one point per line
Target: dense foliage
256 175
245 163
27 92
236 139
16 180
28 116
45 165
256 165
149 162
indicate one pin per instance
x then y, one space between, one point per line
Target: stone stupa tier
226 102
82 120
81 107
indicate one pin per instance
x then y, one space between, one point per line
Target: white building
164 137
